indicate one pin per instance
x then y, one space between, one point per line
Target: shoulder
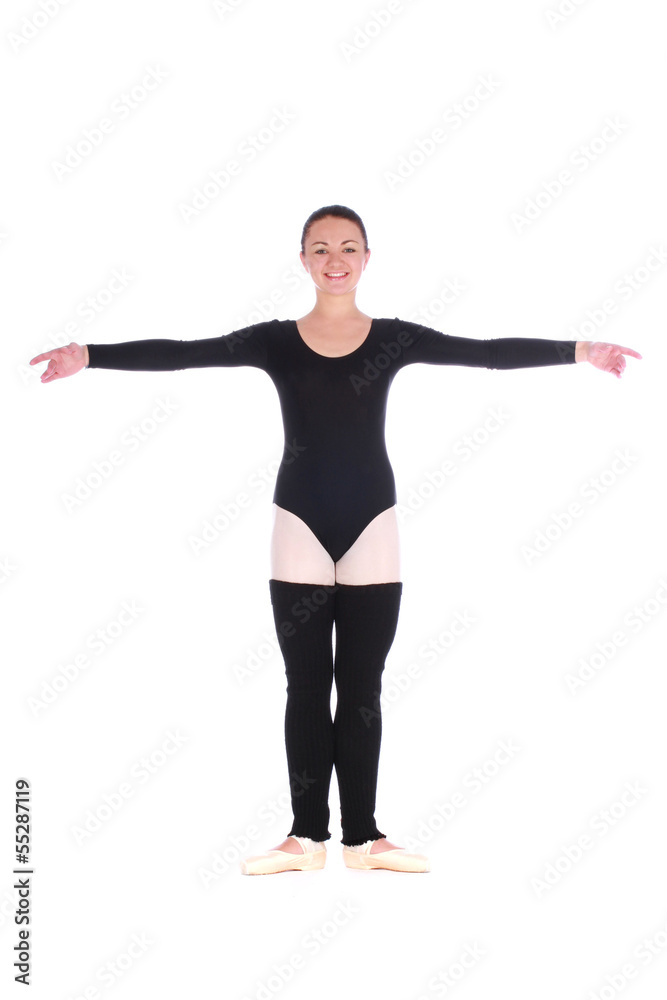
266 331
403 331
396 323
251 344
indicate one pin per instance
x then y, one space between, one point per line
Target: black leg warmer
304 615
366 617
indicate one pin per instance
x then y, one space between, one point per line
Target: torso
334 341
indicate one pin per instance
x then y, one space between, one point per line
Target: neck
334 309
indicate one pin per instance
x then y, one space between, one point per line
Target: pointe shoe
283 861
396 860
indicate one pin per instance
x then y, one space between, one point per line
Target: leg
298 556
304 615
375 555
367 606
366 620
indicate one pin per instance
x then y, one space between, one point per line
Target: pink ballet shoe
397 859
283 861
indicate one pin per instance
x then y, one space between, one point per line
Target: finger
627 350
47 356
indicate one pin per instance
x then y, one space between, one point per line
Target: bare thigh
375 556
298 556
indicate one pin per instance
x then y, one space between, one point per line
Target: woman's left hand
609 357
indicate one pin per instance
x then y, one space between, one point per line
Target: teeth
336 274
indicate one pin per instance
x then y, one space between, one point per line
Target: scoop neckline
334 357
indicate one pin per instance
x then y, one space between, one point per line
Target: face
335 247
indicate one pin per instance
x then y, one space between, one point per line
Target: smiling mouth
337 275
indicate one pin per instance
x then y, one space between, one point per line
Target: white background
362 97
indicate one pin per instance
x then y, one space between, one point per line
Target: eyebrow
326 244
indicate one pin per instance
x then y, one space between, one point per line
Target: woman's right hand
63 361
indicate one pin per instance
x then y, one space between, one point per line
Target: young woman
334 544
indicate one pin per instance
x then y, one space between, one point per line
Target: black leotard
335 472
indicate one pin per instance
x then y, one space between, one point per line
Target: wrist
581 350
86 357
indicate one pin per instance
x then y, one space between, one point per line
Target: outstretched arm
247 346
429 346
606 357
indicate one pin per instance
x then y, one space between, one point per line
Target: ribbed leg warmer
366 619
304 616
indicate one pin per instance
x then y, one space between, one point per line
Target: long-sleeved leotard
335 472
